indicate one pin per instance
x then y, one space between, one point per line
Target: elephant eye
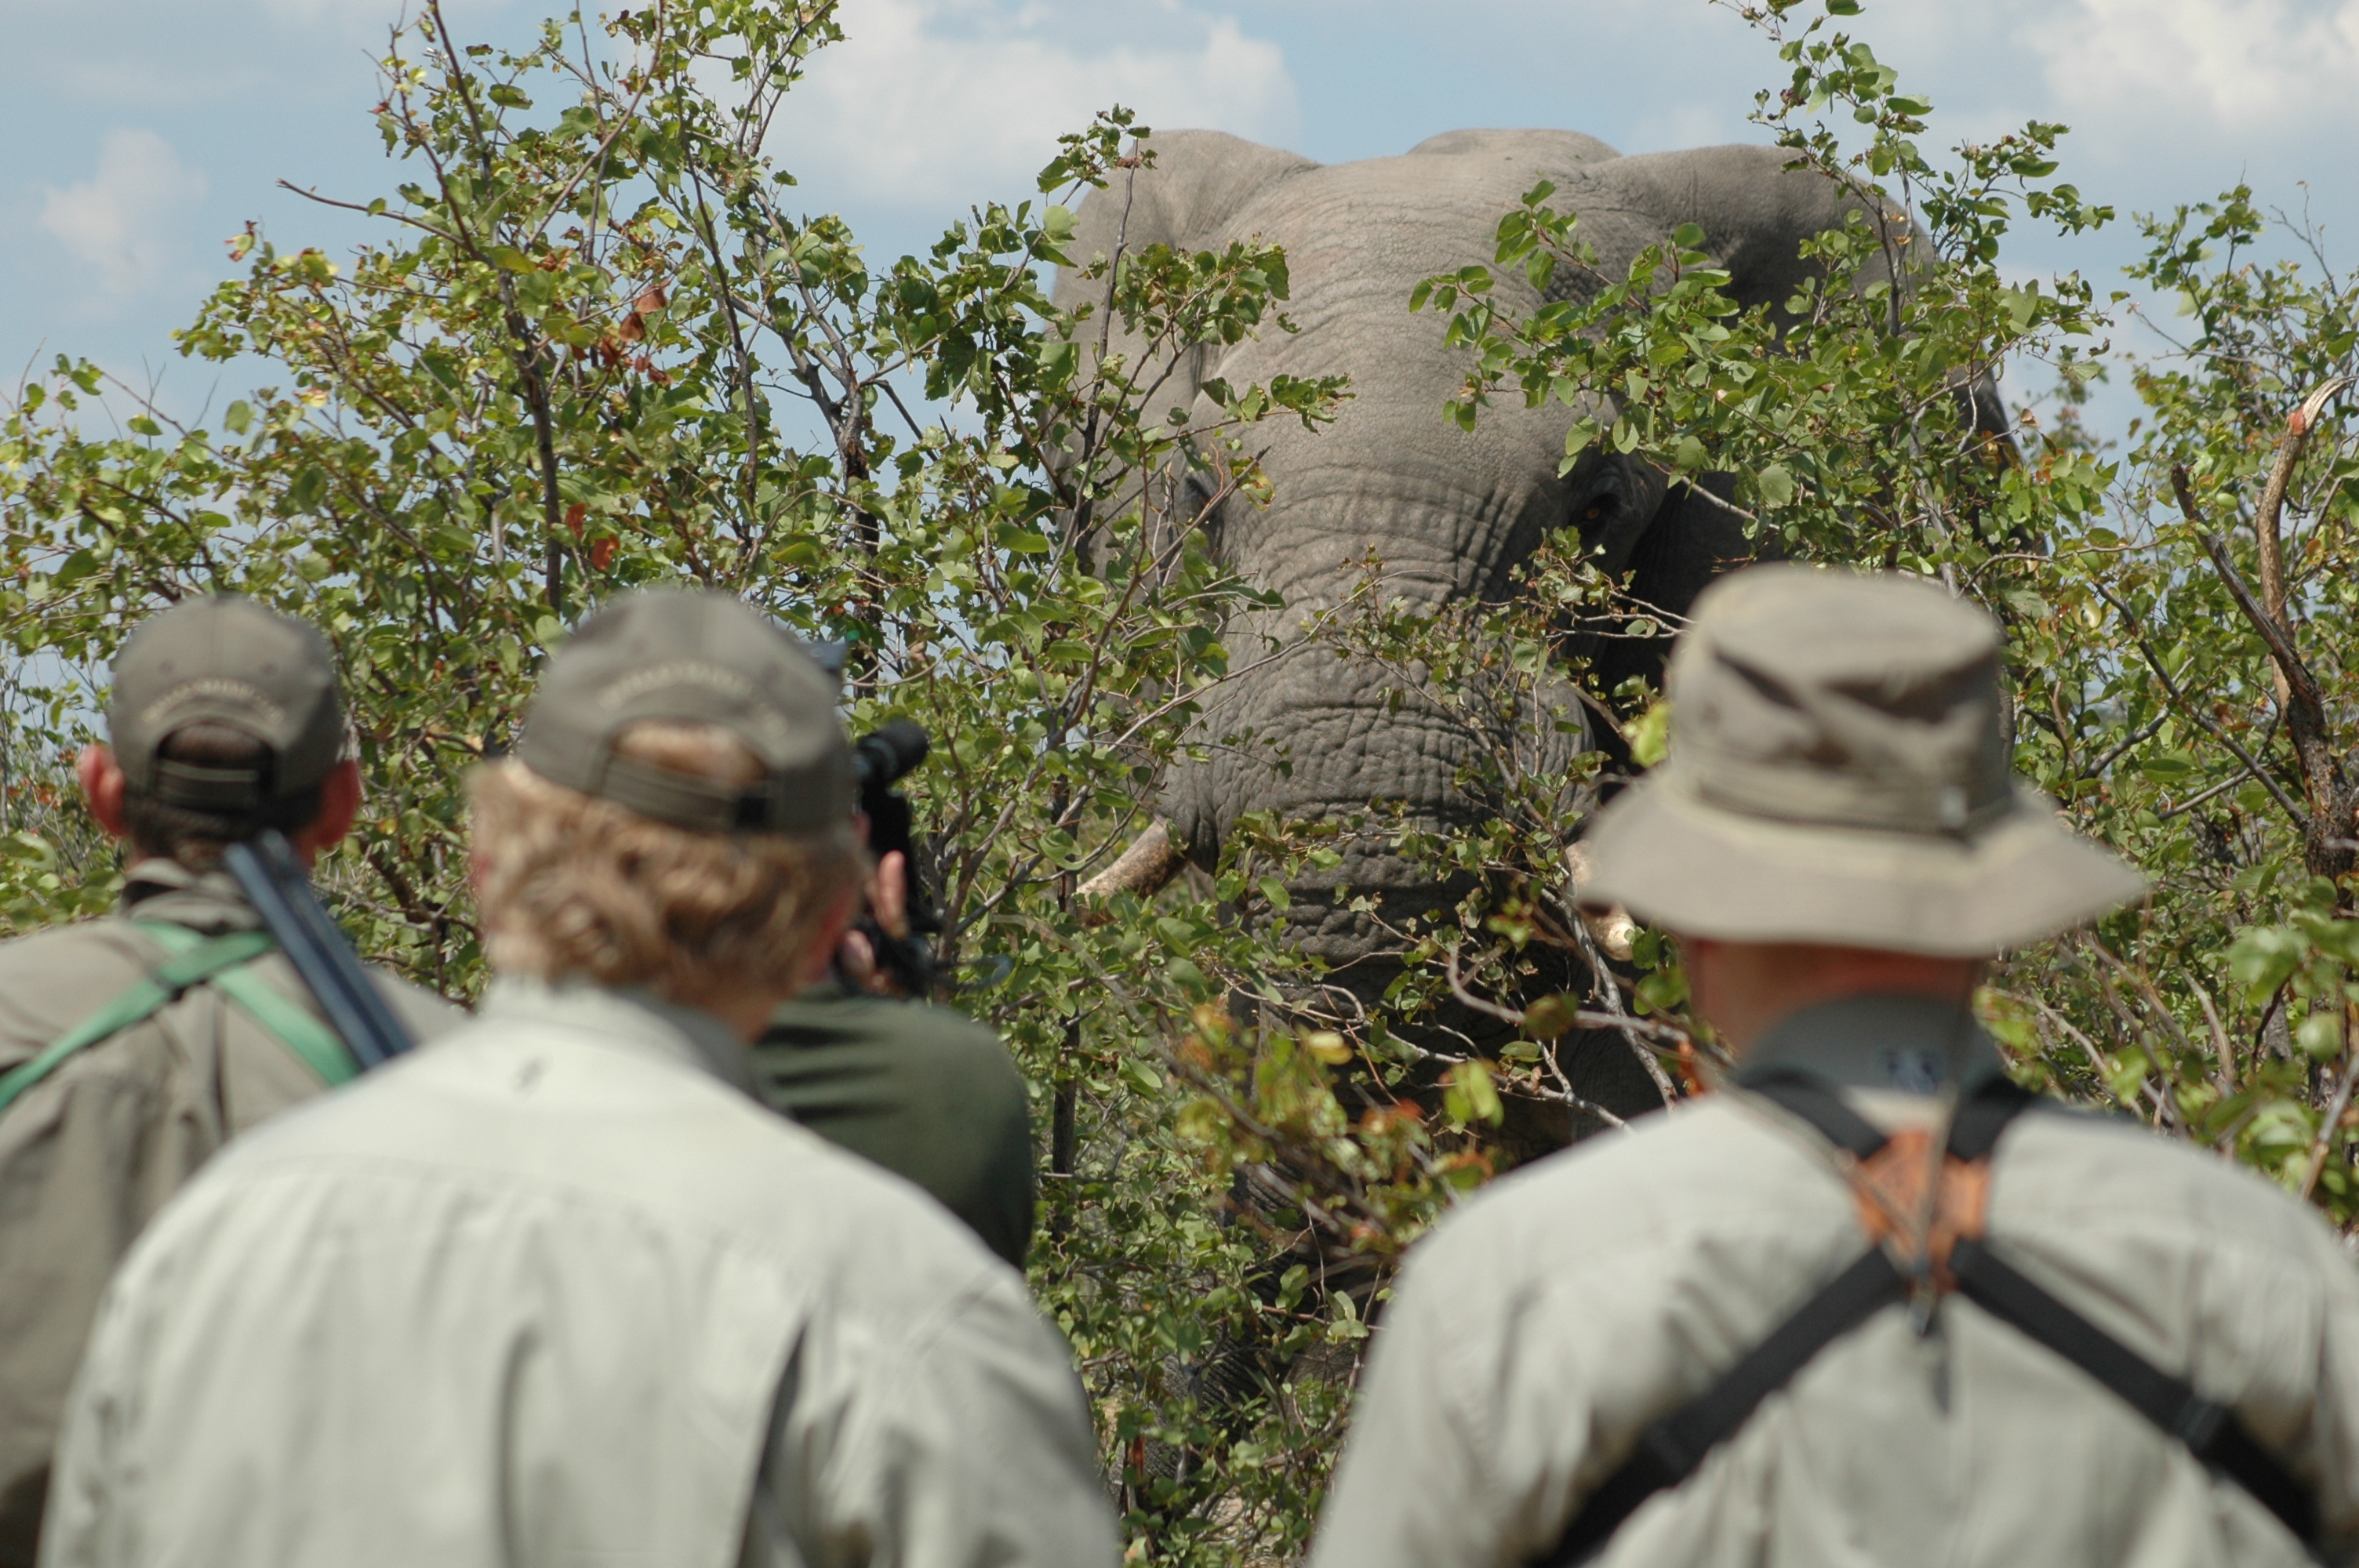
1596 509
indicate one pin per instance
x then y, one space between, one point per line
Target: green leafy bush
595 348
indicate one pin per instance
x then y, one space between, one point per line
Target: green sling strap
195 960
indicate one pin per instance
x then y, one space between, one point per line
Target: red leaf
601 553
574 516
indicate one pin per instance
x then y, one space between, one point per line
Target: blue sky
138 135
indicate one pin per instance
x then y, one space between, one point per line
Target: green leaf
1471 1096
2321 1036
2264 958
309 489
1550 1016
1649 734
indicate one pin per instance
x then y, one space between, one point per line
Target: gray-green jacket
559 1292
1536 1332
926 1092
90 1152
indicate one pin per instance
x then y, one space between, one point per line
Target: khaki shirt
89 1153
1538 1331
558 1292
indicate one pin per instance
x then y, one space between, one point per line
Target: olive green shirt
929 1094
89 1153
1539 1330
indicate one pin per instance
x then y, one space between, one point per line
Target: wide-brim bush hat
1838 774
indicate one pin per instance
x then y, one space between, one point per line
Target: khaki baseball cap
225 660
703 658
1838 774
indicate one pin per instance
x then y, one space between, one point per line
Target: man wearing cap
1868 1304
225 721
560 1290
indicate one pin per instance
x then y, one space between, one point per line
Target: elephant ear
1754 213
1200 181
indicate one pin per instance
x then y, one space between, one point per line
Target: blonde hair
572 885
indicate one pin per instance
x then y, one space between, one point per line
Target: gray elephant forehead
1555 147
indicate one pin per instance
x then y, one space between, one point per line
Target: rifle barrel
274 882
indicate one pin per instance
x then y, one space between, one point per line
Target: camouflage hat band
1811 799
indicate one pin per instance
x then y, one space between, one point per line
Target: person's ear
101 787
340 802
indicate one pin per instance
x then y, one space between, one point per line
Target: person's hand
888 902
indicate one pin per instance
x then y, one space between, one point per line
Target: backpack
1889 1173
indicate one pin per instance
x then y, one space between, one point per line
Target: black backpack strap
1673 1448
1975 1130
2212 1431
1983 1115
1814 1101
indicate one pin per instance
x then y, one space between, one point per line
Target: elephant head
1450 513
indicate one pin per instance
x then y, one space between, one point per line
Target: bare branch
2325 849
2324 1142
2299 426
2204 720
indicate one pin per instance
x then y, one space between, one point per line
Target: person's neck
1743 988
744 1014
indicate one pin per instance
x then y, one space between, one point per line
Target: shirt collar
631 1019
1912 1045
160 888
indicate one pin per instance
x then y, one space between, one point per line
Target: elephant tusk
1145 868
1611 928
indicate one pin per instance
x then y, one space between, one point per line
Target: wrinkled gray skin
1450 513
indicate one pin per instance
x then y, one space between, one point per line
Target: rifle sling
1673 1448
195 960
2212 1431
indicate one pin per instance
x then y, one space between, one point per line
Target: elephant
1452 512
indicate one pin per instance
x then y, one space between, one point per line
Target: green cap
702 658
229 661
1838 774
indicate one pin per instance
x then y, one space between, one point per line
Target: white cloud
2236 68
944 102
122 220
